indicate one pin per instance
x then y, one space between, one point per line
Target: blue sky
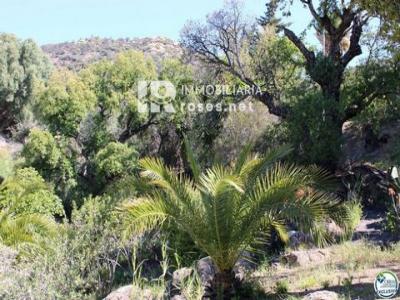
52 21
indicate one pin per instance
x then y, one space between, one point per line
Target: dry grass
349 269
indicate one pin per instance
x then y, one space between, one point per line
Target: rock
123 293
322 295
178 297
127 292
359 146
78 54
304 257
206 270
10 146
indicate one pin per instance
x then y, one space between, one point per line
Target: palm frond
254 168
244 156
32 229
194 165
143 214
180 188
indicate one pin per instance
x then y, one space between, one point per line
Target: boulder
123 293
178 297
206 270
322 295
304 257
128 292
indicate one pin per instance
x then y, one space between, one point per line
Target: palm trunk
223 285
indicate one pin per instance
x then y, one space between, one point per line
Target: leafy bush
115 161
392 222
27 193
47 155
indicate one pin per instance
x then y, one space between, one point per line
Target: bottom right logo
386 284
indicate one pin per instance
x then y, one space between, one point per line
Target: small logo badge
386 284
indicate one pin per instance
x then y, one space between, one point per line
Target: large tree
230 42
22 64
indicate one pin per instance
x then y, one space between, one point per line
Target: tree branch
129 132
355 48
308 55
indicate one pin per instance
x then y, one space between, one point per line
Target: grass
349 269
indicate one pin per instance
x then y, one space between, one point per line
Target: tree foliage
26 193
22 65
51 157
65 102
116 160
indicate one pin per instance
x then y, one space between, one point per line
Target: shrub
85 261
316 136
28 193
354 214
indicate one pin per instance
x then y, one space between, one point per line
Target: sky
54 21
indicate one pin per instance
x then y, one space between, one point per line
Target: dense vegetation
102 194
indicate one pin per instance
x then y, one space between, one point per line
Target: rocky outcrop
78 54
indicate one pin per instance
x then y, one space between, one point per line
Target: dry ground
349 269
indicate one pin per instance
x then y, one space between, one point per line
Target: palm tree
224 209
25 232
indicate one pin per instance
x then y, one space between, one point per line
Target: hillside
77 54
